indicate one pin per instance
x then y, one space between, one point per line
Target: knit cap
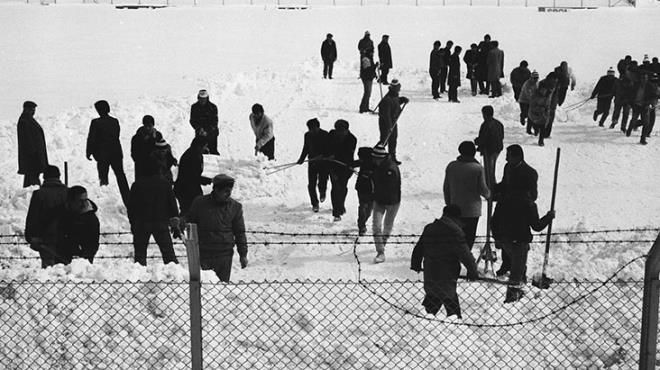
379 152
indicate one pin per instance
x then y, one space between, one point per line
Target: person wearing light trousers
387 197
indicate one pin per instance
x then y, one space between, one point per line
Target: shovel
542 281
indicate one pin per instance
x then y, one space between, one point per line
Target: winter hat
646 59
535 74
379 152
29 104
161 143
223 181
51 172
366 33
394 84
610 72
203 94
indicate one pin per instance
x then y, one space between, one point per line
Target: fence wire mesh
318 325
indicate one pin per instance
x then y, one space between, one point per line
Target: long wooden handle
552 208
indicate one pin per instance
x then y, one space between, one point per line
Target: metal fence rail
317 325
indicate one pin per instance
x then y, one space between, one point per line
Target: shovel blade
542 281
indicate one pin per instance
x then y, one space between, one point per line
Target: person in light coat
526 92
263 132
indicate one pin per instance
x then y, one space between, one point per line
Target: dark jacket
103 139
513 217
435 61
204 116
491 137
495 61
622 67
470 59
518 181
341 148
623 90
316 144
387 183
220 226
604 87
482 67
384 55
328 50
78 234
389 110
142 144
191 168
519 75
32 156
365 43
367 68
644 93
441 250
454 76
364 184
164 160
539 109
151 201
46 205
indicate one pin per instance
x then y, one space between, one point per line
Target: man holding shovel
390 109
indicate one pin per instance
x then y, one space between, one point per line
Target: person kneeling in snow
78 227
443 248
220 225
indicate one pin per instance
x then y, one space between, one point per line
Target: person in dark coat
482 65
623 95
454 76
490 142
152 210
470 59
220 226
365 43
511 222
604 90
623 64
367 75
464 185
164 159
41 223
655 66
440 251
79 229
328 55
387 198
142 144
341 149
364 185
518 77
32 155
566 79
435 65
444 68
316 148
189 180
384 58
495 61
645 98
103 144
204 119
388 114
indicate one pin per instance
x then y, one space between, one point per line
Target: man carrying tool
389 110
315 147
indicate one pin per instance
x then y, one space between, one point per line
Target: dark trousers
268 149
524 111
383 75
490 162
185 194
141 234
506 260
516 91
443 79
212 140
317 175
484 87
441 293
603 109
327 68
365 207
640 117
391 141
618 106
103 167
31 178
473 86
221 265
561 94
470 229
547 131
435 84
339 178
366 95
48 255
517 252
496 87
453 92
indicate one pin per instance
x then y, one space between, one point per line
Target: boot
380 257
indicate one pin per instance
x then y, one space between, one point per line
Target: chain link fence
317 325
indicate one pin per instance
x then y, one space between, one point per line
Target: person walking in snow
464 185
454 76
32 155
566 79
518 77
152 210
220 226
526 92
623 64
316 148
645 98
341 149
484 48
364 185
539 107
103 144
623 95
142 144
387 198
490 142
262 126
471 60
388 114
384 58
553 84
189 180
444 67
328 55
604 90
204 120
435 65
440 251
367 75
163 158
78 227
495 62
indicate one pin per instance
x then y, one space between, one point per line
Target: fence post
66 173
192 250
649 341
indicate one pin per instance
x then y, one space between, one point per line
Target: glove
244 261
473 276
205 181
300 161
404 100
89 157
551 215
417 269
